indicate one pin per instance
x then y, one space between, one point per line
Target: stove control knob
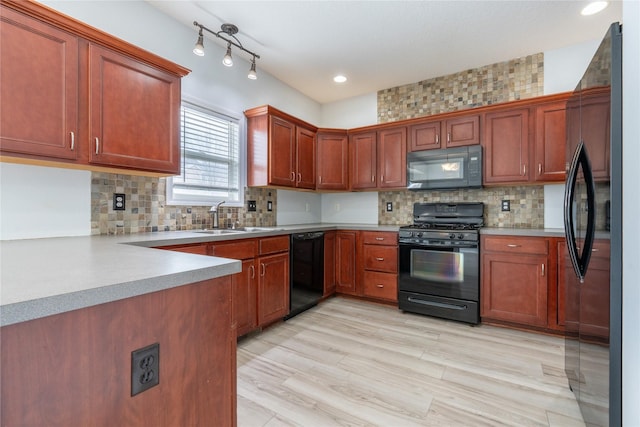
460 236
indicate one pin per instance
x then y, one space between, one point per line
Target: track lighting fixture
226 31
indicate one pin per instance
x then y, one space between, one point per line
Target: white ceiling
383 44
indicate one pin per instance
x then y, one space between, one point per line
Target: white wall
38 201
350 208
350 113
563 68
298 207
630 209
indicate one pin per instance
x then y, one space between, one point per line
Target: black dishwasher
307 271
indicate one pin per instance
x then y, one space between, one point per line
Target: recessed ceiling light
594 7
339 79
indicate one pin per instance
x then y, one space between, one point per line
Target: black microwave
449 168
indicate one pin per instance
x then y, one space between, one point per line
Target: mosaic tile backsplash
518 78
146 210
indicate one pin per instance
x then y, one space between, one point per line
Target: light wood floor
353 363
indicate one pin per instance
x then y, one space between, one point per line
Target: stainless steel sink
220 231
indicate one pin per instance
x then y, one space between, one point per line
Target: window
211 167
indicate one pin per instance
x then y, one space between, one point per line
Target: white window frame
181 200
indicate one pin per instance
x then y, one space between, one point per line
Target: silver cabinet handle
320 179
511 245
595 250
524 169
299 177
253 272
448 137
73 141
379 285
381 178
264 269
293 176
543 270
437 139
379 259
380 239
97 145
539 168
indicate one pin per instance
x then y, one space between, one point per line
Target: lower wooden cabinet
273 279
515 277
329 263
346 262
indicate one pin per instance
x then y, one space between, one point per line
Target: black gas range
440 262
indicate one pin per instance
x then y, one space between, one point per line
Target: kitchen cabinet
595 130
593 293
346 262
455 131
333 160
506 146
514 280
379 275
550 142
329 263
134 113
378 159
243 284
39 72
281 150
273 279
98 102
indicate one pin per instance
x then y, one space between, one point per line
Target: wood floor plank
353 363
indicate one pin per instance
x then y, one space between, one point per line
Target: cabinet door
462 131
305 158
595 134
273 288
362 155
551 138
245 298
329 263
514 288
346 262
506 143
392 158
134 113
424 136
333 162
282 137
38 88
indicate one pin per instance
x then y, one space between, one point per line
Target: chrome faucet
216 216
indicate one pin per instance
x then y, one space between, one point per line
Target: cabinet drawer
272 245
381 258
381 285
237 249
520 245
379 238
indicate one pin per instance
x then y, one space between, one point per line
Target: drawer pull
380 285
380 239
73 140
595 250
542 270
511 245
379 259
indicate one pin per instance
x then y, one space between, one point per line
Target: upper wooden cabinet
96 100
550 142
445 133
39 84
506 146
281 150
378 159
134 113
333 160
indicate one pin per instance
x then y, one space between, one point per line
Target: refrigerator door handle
580 261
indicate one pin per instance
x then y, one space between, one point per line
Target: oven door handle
437 247
438 304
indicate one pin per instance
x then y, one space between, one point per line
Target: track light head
228 60
252 71
199 47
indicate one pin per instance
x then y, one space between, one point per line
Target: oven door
451 272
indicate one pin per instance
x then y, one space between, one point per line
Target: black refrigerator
591 268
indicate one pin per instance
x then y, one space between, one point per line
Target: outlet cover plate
251 205
506 205
119 201
145 368
389 206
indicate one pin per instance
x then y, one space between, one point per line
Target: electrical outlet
145 368
506 205
118 201
251 206
389 206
